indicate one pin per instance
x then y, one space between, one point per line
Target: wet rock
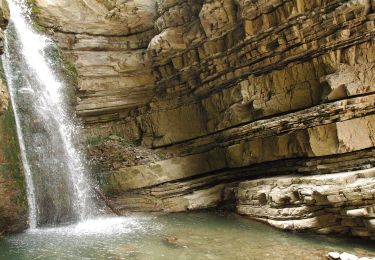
4 97
13 205
345 256
333 255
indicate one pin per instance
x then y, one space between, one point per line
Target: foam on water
58 186
198 236
98 226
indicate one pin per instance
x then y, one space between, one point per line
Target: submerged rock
174 241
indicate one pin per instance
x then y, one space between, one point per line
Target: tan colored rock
356 134
169 41
173 125
4 98
288 89
176 13
351 80
95 17
106 42
343 137
323 139
332 210
217 17
303 224
126 179
357 212
202 199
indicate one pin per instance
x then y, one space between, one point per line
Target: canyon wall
263 107
13 203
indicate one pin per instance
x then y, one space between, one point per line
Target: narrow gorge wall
227 93
13 203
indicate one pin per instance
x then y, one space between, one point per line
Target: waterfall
57 181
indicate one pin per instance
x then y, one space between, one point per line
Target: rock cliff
265 107
13 213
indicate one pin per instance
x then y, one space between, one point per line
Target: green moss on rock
13 202
13 205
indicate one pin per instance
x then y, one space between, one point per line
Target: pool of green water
203 235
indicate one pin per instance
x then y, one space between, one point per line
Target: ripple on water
177 236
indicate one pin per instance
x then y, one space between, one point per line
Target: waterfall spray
58 186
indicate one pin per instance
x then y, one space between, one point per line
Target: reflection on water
177 236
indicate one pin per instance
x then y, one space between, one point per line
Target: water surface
178 236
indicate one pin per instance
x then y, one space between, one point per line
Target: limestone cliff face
230 91
13 213
107 42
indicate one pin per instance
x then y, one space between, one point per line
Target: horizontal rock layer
230 91
158 195
337 203
105 42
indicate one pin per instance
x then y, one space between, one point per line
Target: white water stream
58 188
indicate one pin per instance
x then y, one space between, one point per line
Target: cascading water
57 183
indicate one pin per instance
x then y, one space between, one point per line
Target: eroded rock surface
13 205
230 91
339 203
4 98
106 41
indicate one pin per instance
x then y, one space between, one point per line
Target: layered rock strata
229 91
106 42
337 203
